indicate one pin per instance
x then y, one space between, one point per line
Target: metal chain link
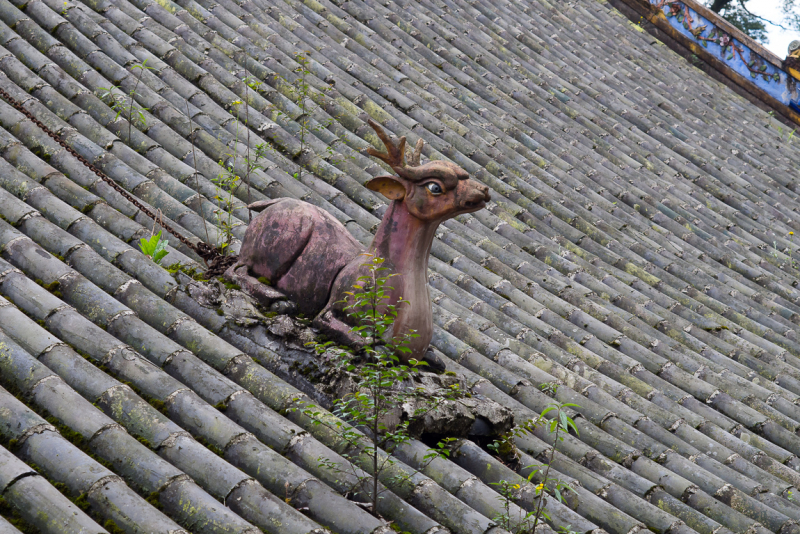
204 250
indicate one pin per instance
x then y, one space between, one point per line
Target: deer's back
300 249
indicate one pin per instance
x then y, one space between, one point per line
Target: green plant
252 159
194 165
381 385
154 247
303 90
559 424
127 107
226 181
251 82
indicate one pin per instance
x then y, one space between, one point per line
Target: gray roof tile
638 251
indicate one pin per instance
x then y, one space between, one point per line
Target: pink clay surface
310 257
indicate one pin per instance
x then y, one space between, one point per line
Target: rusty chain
204 250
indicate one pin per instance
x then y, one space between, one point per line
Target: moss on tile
11 514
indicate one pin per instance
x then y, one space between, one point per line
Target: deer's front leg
264 294
337 330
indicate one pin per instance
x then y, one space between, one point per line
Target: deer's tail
262 204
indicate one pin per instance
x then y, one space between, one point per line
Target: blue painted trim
737 55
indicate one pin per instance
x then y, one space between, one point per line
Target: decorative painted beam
726 49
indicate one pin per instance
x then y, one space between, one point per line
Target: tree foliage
739 13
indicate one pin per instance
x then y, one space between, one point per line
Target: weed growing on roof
363 416
127 107
778 127
154 247
254 83
227 181
194 165
504 447
303 90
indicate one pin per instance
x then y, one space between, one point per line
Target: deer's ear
388 186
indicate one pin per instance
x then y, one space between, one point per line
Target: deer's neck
404 241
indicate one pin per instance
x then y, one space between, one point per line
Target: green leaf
158 256
571 424
563 420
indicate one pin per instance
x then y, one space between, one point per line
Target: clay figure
308 256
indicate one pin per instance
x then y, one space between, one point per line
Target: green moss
112 527
82 502
144 442
270 314
53 286
154 500
450 373
221 406
220 312
229 285
83 354
158 405
132 386
67 433
264 280
213 448
11 514
193 273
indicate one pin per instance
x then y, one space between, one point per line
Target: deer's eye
434 188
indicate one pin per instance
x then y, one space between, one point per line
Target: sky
778 39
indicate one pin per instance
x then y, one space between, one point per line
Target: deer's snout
475 196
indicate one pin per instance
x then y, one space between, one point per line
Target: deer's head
435 191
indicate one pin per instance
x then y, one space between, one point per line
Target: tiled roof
638 251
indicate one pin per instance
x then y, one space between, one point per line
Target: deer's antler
395 148
395 154
417 153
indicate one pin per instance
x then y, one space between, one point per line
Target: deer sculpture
309 256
